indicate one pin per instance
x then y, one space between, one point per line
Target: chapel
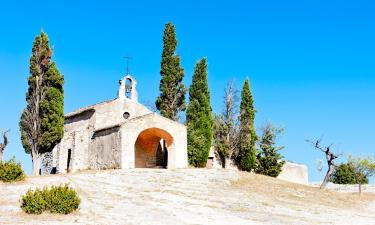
119 133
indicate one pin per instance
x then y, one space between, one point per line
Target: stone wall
78 130
296 173
111 113
105 150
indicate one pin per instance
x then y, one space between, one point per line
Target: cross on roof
127 58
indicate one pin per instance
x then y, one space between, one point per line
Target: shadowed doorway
151 148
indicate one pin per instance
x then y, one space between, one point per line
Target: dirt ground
190 196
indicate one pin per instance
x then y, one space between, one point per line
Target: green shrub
345 174
57 199
62 199
11 171
33 202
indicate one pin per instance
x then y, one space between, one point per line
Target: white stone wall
111 113
296 173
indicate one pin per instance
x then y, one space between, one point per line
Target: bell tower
127 89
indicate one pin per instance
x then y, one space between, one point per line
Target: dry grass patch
285 192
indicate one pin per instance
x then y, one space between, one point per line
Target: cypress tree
42 121
172 91
199 117
246 158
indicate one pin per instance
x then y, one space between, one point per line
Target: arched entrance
151 148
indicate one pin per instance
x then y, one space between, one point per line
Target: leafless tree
4 144
330 158
226 125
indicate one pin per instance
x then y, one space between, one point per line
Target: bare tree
4 144
330 157
225 125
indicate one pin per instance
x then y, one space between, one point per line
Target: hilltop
190 196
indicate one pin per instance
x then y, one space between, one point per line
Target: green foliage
221 139
11 171
57 199
269 160
364 168
246 156
33 202
61 199
345 174
42 121
172 91
199 117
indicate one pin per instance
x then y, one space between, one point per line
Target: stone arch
152 147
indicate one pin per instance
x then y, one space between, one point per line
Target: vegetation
42 121
225 126
4 144
11 171
246 156
345 174
57 199
364 168
33 202
199 117
172 91
269 160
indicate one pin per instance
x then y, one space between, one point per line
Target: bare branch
330 157
4 144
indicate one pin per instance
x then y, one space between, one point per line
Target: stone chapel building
119 133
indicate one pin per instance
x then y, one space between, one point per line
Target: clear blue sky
311 63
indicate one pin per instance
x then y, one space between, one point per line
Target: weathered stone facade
120 133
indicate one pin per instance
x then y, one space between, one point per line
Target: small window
126 115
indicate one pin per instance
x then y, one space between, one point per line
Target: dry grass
296 194
190 196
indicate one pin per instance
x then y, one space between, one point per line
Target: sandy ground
190 196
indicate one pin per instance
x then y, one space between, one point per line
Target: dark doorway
162 155
68 161
165 161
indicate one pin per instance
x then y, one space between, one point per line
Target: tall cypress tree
199 117
246 158
42 121
172 91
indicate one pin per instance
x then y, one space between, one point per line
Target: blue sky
311 63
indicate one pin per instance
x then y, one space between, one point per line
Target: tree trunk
327 178
36 158
223 162
360 187
1 156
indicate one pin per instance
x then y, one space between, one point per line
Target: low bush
33 202
11 171
56 199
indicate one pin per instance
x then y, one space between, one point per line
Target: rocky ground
190 196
